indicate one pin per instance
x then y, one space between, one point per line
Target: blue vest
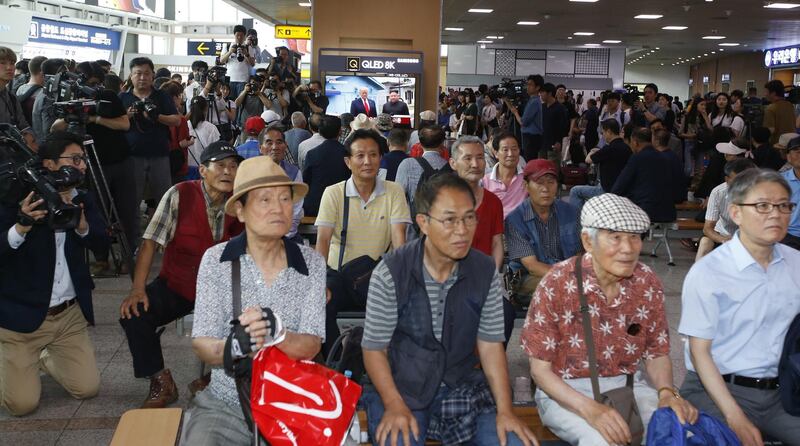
567 230
419 362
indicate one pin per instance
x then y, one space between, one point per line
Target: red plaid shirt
553 329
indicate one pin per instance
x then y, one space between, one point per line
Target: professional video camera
632 94
513 90
67 86
21 172
215 74
76 113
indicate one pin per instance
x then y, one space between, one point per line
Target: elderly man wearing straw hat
277 276
189 220
619 302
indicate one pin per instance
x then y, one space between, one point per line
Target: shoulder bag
355 274
620 399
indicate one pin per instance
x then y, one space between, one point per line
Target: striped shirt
381 317
369 227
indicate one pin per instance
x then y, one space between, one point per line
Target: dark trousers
531 144
144 339
791 241
122 186
341 300
762 407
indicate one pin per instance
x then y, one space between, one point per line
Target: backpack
665 430
26 101
428 172
346 353
789 369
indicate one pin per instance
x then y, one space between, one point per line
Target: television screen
342 90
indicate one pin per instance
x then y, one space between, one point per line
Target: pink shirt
511 196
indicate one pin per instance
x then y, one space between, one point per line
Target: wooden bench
689 206
149 427
528 414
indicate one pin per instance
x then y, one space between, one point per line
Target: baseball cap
729 148
793 144
254 125
217 151
270 117
538 168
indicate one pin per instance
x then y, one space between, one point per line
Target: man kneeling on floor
190 219
43 275
736 323
433 304
623 302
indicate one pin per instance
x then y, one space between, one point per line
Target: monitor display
341 90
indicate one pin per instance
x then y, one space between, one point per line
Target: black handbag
355 274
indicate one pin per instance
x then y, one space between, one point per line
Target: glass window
145 44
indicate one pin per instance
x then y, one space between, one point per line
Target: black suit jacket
324 166
654 181
26 273
357 107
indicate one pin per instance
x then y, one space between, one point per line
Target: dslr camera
255 85
215 74
21 172
241 51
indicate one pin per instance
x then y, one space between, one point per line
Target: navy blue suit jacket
357 107
654 181
26 273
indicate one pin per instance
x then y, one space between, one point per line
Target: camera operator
275 90
107 129
311 98
261 56
151 112
283 67
239 58
10 107
225 108
44 114
531 119
252 101
43 275
199 71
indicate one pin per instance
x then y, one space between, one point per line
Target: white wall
670 80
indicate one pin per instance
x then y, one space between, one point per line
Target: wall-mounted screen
341 89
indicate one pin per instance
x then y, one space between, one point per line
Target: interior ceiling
745 22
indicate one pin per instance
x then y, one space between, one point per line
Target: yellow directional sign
292 32
202 48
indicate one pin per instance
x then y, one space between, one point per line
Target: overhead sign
726 77
705 79
204 48
292 32
407 64
63 33
777 57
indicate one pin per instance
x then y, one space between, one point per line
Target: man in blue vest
543 230
434 313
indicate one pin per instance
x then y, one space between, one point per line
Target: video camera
631 95
67 86
215 74
21 172
76 113
513 90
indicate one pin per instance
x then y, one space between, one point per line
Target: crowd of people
438 234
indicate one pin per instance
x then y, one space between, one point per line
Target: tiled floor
61 420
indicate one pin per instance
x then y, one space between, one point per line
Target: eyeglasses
450 223
764 207
76 159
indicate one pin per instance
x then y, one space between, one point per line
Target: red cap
254 125
536 169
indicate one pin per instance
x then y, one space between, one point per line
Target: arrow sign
292 32
203 48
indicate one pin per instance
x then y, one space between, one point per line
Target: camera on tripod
513 90
215 75
21 172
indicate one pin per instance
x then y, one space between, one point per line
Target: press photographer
151 112
43 275
198 83
311 98
278 95
252 101
107 128
531 119
10 107
239 58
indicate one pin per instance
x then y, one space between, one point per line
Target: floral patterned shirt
553 329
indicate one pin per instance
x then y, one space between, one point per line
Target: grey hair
591 232
298 119
747 180
455 149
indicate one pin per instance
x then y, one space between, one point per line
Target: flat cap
614 213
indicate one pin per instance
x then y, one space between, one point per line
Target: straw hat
258 172
362 122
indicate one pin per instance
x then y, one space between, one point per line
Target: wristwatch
671 390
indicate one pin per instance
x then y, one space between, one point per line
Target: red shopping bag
298 403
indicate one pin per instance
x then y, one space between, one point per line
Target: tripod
105 198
